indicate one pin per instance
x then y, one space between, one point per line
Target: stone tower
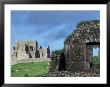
25 49
44 52
29 50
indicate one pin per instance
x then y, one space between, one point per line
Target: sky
47 27
95 51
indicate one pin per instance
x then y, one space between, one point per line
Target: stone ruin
77 55
78 48
28 50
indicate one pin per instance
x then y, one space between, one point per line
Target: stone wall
54 64
27 50
78 48
28 60
24 49
44 53
78 53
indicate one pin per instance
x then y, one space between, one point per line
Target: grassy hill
30 69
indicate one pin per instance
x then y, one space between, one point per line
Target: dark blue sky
47 27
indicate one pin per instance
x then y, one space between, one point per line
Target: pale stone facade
28 50
44 52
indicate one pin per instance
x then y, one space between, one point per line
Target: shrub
26 75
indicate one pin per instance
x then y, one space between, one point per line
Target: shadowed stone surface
78 49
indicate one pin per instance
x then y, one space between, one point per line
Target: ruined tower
25 50
44 52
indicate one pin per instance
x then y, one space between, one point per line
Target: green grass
95 59
30 69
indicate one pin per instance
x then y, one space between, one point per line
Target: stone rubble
70 74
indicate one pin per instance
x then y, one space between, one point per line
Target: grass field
30 69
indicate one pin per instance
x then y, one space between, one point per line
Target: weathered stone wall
76 48
28 60
28 50
25 49
44 53
54 64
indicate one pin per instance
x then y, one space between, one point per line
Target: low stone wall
29 60
54 65
71 74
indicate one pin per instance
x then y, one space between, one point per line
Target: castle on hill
29 50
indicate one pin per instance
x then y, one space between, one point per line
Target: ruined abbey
78 49
77 55
28 50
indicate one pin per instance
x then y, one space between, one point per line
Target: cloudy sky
47 27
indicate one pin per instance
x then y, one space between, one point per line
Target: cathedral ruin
28 50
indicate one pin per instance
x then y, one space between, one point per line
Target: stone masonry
78 48
25 50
